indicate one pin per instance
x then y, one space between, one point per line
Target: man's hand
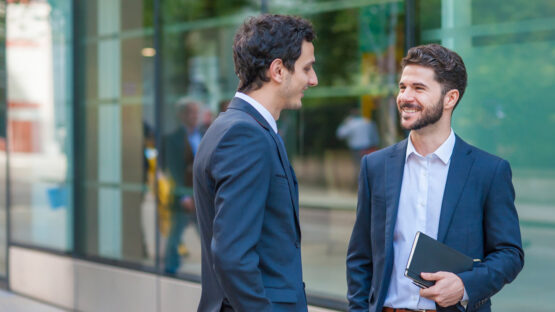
447 291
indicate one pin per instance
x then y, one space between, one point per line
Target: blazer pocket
281 295
280 180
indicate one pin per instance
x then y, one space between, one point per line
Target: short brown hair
264 38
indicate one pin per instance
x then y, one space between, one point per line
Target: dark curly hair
447 65
264 38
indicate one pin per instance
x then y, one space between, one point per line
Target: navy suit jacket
478 218
247 207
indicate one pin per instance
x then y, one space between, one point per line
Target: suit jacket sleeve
504 257
359 254
242 173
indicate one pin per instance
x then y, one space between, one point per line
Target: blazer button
297 244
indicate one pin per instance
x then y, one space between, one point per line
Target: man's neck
263 97
428 139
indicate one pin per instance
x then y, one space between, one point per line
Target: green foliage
178 11
336 48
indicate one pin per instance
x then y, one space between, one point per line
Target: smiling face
303 77
420 99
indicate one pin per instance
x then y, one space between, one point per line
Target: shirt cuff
464 301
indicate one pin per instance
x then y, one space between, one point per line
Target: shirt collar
443 152
261 109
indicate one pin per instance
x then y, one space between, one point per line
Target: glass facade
93 152
115 101
39 122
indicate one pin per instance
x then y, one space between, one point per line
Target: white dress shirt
422 190
261 109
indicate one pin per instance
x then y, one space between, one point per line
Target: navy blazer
247 207
478 218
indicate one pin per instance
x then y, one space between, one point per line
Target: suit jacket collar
242 105
261 109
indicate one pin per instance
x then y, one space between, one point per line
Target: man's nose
313 80
405 96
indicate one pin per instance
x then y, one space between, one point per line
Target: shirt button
297 244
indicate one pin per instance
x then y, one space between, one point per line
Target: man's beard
429 117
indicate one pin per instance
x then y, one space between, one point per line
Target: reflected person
180 147
245 188
436 183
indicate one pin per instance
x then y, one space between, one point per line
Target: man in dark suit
245 189
435 183
180 147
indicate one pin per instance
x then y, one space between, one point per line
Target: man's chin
405 125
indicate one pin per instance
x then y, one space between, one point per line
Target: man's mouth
410 108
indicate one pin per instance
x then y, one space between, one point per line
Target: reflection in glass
38 53
117 152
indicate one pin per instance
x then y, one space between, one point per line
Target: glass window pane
39 58
117 211
507 47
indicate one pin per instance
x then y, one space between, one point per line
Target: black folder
429 255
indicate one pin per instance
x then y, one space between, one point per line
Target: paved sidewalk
15 303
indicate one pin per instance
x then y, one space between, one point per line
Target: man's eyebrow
420 84
310 63
416 84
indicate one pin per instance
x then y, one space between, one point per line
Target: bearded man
435 183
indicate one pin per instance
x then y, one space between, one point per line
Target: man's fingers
429 292
432 276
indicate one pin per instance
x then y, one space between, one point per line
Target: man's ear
450 99
276 71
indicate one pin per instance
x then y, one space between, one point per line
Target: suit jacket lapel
394 167
289 173
461 163
239 104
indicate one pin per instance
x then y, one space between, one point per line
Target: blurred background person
361 134
179 151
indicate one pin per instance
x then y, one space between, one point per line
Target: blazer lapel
461 163
394 167
237 103
289 173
